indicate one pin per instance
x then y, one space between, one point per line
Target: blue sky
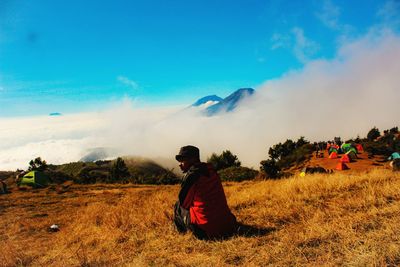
73 56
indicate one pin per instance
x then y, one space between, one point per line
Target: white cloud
344 97
304 48
329 14
128 82
390 13
279 41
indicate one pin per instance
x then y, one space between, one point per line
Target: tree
270 168
223 161
394 130
301 142
280 151
119 171
37 164
373 134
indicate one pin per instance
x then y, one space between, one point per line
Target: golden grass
338 219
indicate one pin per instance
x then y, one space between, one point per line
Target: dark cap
188 152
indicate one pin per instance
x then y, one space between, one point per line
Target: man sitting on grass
202 207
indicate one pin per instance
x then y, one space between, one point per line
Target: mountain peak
204 100
230 102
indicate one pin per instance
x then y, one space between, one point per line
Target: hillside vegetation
128 170
337 219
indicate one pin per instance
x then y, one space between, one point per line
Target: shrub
284 155
296 157
386 145
237 174
37 164
57 177
91 175
119 172
270 168
373 134
394 130
223 161
149 172
140 176
280 151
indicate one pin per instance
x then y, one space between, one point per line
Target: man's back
207 203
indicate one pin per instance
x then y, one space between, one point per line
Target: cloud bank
346 96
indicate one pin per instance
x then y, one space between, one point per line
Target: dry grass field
344 218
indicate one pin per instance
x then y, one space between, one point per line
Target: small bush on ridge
225 160
237 174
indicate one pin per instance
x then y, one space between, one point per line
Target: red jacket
207 204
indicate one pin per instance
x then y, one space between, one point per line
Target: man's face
185 164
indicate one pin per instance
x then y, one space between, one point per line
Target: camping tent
352 149
346 147
359 148
332 150
352 155
394 156
34 179
333 155
341 166
345 158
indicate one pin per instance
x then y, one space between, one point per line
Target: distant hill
98 153
141 171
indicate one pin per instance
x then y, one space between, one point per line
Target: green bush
284 155
270 168
157 179
128 170
57 177
119 172
223 161
386 145
237 174
297 156
373 134
37 164
92 175
149 172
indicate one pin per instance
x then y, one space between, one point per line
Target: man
202 207
395 161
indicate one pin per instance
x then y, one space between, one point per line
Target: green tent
346 147
352 149
352 155
332 149
34 179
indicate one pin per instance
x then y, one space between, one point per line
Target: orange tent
342 166
345 159
359 148
333 155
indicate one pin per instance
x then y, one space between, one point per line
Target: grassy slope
343 218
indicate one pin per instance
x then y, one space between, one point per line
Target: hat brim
180 158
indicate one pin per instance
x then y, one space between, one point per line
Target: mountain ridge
231 102
227 104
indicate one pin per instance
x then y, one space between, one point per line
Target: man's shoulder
201 168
